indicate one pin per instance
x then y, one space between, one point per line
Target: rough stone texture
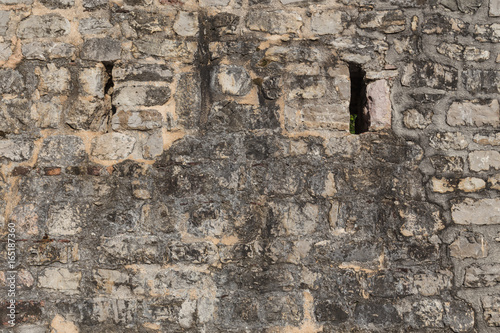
198 166
470 211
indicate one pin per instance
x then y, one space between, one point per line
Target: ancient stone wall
250 165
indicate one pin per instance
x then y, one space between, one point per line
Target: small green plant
352 124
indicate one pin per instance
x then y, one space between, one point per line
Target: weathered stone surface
471 184
231 80
431 75
277 22
470 211
492 139
112 146
47 50
137 120
171 49
487 32
469 246
453 51
482 276
491 306
16 150
440 24
101 49
459 316
494 8
484 160
494 182
53 79
62 150
50 25
441 185
47 113
54 4
385 21
186 24
448 140
60 279
327 22
64 220
134 96
474 113
126 71
11 81
93 25
378 105
482 81
416 120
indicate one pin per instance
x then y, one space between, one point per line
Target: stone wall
189 166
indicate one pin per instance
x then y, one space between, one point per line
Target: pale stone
231 79
5 51
62 150
415 120
480 212
186 24
475 54
494 182
218 3
329 189
170 49
50 25
186 313
61 325
299 220
47 114
94 25
60 279
482 276
63 220
16 150
388 21
491 309
494 7
101 49
484 160
47 50
472 113
112 146
441 185
463 248
277 22
26 219
333 214
448 141
54 79
137 120
93 80
133 96
471 184
378 105
327 22
453 51
492 139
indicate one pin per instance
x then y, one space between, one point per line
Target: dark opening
359 121
109 89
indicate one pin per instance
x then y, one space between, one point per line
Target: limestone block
480 212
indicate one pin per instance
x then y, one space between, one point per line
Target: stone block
469 246
47 113
16 150
484 160
130 71
134 96
448 141
472 53
43 26
378 106
112 146
64 220
474 113
459 316
487 33
137 120
492 139
101 49
47 50
491 310
94 25
414 119
481 81
327 23
478 212
5 51
389 22
430 74
11 81
482 276
60 279
170 49
275 22
441 24
62 150
53 79
58 4
186 24
471 184
231 79
494 8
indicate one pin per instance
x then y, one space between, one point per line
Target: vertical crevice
359 120
204 66
109 88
